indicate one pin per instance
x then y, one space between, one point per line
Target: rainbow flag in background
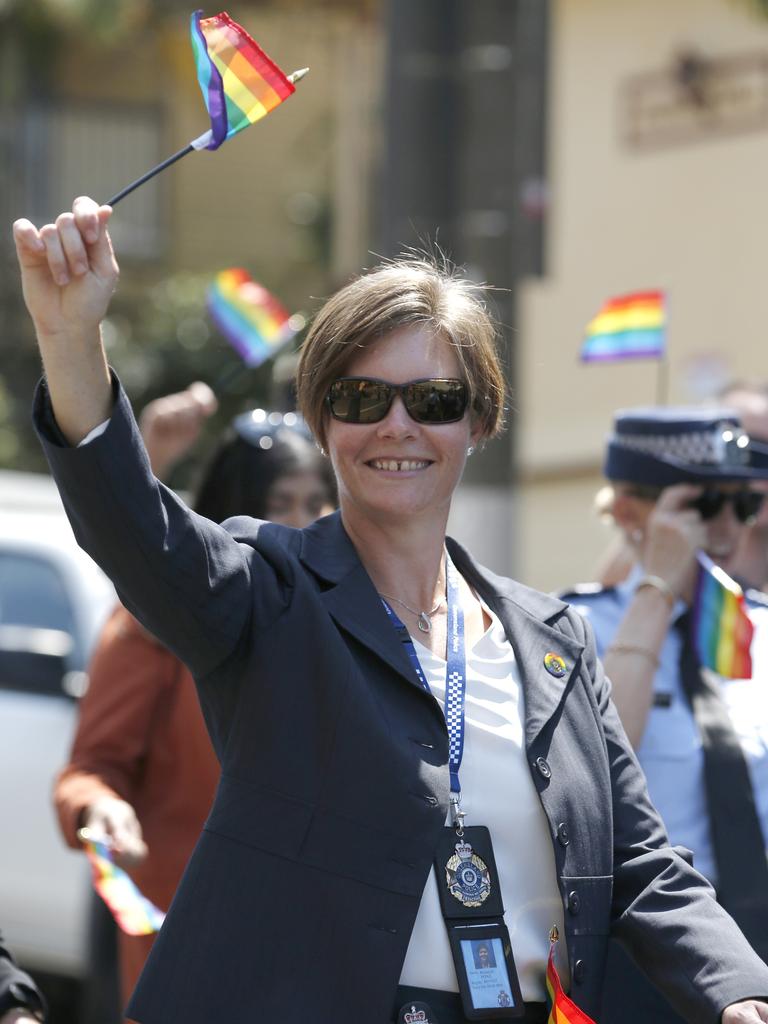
134 913
722 630
627 327
250 318
562 1010
240 84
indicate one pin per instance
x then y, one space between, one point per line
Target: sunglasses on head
261 428
365 400
746 504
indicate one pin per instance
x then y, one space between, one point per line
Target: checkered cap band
724 446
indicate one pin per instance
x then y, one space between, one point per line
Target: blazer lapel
351 597
526 615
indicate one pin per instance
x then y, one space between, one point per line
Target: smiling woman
386 781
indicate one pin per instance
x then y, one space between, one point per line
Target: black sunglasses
365 400
746 504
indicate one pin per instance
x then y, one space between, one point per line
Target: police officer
684 481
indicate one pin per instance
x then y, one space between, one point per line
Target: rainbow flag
722 630
562 1009
627 327
134 913
250 318
240 84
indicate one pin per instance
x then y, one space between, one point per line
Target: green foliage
102 19
760 7
159 340
163 341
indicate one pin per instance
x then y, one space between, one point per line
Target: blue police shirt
670 751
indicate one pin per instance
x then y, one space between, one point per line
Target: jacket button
543 767
574 902
579 970
562 834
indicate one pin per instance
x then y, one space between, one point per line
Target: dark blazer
17 988
299 900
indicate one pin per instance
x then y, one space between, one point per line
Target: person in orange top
142 769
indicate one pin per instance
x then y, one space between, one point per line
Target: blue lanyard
455 677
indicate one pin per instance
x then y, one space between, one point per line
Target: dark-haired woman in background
142 770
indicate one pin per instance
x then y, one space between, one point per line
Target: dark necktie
737 838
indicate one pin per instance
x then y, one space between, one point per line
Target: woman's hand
116 819
68 275
673 534
749 1012
68 269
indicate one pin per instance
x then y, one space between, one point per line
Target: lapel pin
555 665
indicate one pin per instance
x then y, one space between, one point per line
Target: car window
37 624
32 593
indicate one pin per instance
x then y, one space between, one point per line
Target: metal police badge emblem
467 876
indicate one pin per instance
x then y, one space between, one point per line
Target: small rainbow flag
134 913
627 327
562 1010
250 318
721 629
239 82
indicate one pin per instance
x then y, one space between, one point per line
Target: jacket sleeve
17 986
130 676
185 578
664 912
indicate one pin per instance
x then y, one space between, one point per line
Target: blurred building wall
653 185
281 198
289 199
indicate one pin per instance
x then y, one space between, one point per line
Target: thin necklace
424 618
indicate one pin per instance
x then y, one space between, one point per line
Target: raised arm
672 535
68 275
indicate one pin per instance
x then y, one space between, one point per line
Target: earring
470 450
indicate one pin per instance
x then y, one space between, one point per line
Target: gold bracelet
634 649
658 584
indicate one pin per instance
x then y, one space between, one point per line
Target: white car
53 602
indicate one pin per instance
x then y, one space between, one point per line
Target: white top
498 792
670 752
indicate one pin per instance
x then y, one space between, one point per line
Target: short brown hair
405 291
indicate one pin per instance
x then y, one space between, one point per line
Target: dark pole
464 160
418 169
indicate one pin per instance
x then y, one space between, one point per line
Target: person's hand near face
673 533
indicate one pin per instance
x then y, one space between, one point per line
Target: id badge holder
470 899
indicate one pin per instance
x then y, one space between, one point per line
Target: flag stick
196 144
150 174
662 381
662 372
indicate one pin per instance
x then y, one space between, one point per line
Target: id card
485 969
